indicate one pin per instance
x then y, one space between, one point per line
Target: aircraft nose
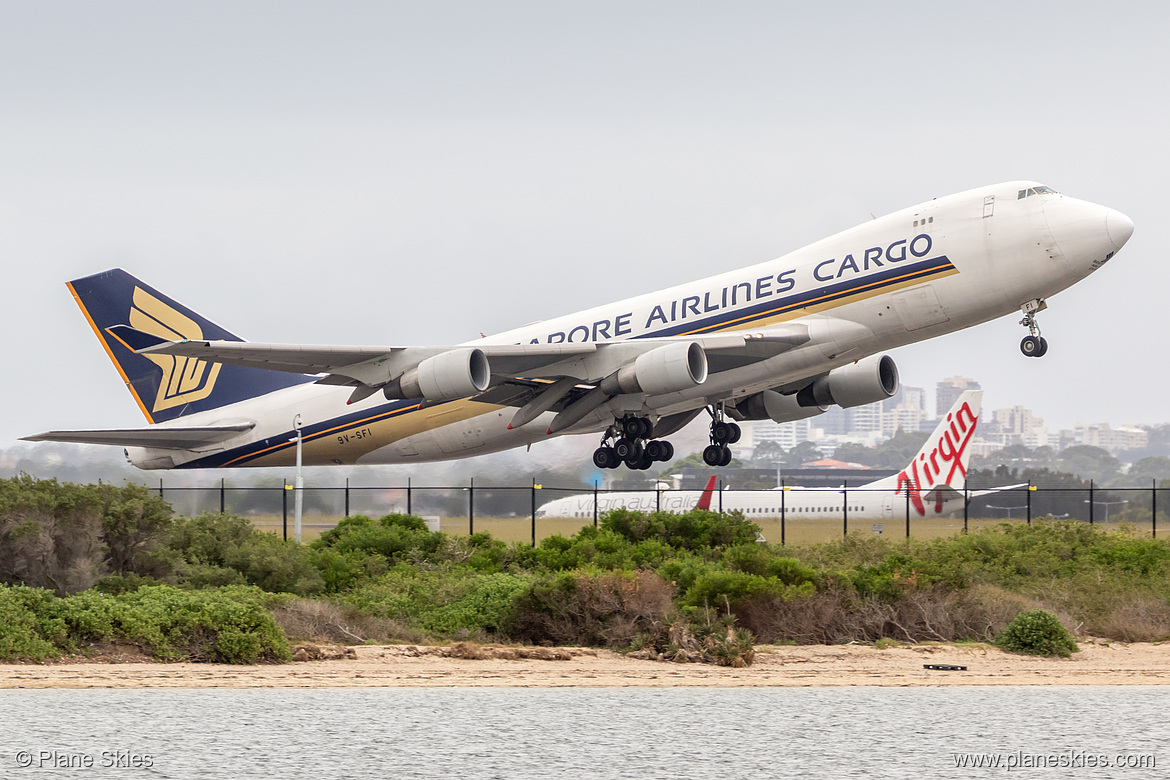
1119 227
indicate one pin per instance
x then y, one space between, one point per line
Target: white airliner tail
941 465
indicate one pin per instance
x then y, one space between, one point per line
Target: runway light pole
299 502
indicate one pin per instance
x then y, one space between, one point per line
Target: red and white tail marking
943 459
705 499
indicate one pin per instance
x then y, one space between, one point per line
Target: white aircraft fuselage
935 268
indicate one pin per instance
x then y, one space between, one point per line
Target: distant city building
1113 440
948 391
786 435
868 425
1018 425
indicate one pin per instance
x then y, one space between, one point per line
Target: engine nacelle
864 382
663 370
777 407
449 376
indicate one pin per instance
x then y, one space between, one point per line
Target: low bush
1037 632
223 626
448 602
697 530
216 549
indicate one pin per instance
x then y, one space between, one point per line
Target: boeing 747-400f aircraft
933 483
782 340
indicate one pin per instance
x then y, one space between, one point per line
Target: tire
712 455
668 451
604 458
632 428
720 432
646 463
654 450
1043 347
725 460
736 432
647 428
1030 346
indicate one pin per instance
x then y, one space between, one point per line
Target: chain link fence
790 515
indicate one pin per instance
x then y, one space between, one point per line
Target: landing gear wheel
604 458
654 450
721 432
623 449
725 459
646 463
713 455
1043 347
637 427
735 433
667 451
1032 346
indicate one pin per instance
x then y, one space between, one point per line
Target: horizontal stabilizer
156 436
134 339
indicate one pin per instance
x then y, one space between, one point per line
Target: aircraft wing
948 493
159 436
376 366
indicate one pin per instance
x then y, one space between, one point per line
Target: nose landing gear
1033 345
723 433
629 441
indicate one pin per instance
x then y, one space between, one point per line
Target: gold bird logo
184 379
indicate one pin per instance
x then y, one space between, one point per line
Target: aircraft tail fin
705 499
122 310
941 464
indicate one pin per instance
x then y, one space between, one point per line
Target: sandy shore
1098 663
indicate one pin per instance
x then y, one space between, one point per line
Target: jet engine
777 407
451 375
864 382
667 369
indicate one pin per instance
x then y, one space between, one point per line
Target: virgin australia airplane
933 483
782 340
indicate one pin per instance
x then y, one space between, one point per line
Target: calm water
515 734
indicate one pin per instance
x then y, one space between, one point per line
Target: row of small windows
923 221
1035 191
768 510
792 510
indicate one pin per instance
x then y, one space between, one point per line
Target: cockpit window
1035 191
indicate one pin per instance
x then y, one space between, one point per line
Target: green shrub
1037 632
223 549
695 530
30 629
719 589
223 626
442 601
395 537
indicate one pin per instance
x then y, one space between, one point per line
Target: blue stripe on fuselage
830 293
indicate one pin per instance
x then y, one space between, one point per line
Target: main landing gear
722 434
1033 345
631 444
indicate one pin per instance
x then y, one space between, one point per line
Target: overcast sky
414 173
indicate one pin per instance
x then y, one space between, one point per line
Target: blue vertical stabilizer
165 386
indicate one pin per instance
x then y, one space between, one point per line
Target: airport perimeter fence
791 515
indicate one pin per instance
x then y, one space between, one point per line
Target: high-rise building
948 391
